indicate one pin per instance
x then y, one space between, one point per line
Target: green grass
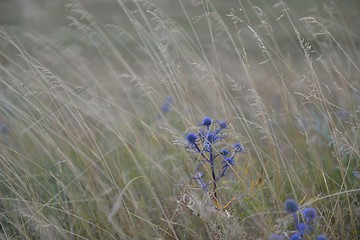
84 155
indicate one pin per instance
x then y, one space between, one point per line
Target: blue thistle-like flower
295 236
321 237
191 138
276 237
291 206
207 121
310 214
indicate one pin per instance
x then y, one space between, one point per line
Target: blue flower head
206 121
191 138
310 214
291 206
166 105
295 236
321 237
276 237
304 229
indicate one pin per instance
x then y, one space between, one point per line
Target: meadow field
180 119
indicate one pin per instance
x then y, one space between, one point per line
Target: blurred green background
47 16
50 18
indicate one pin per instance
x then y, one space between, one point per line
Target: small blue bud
222 125
230 161
238 147
224 152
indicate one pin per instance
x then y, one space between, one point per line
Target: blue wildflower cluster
304 222
213 159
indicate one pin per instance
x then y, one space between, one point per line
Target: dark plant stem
213 171
202 153
296 220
